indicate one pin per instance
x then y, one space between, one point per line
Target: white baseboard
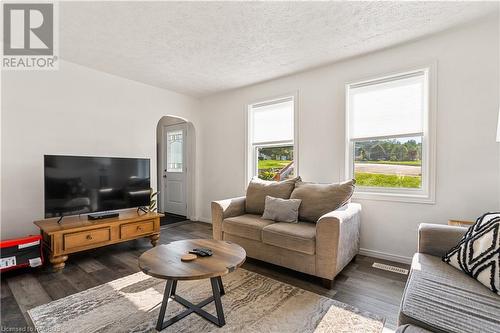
385 256
200 219
205 219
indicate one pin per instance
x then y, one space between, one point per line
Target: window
388 137
174 151
271 130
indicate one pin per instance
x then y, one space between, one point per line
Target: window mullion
272 143
396 136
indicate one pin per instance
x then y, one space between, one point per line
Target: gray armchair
440 298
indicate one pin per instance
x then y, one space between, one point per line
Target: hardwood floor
168 218
359 284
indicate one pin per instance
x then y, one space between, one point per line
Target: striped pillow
478 252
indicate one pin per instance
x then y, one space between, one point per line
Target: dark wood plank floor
359 284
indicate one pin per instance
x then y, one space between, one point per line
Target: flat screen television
82 184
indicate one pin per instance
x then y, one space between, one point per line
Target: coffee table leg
166 296
170 289
221 286
217 290
174 288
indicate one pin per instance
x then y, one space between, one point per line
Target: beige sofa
321 249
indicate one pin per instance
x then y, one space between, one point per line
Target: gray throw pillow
319 199
258 189
281 210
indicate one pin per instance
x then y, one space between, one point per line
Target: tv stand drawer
132 230
87 238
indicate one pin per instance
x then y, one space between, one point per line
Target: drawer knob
139 228
89 237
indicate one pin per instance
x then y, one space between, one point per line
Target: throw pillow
478 252
258 189
319 199
281 210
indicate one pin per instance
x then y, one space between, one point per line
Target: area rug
252 303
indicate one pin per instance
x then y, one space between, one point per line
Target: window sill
394 196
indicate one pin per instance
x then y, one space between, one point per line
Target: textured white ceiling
200 48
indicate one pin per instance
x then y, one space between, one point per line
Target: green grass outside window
272 164
382 180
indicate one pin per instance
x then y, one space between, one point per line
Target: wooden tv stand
77 233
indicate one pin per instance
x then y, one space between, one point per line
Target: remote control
202 252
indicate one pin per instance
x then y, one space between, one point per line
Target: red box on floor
21 252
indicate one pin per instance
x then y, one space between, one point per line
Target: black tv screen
81 184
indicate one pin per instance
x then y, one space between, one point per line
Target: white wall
77 111
467 107
80 111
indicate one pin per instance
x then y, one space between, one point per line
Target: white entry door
174 170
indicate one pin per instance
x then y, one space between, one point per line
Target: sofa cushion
258 189
440 298
319 199
246 226
281 210
300 237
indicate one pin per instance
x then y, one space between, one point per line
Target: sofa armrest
337 239
223 209
437 239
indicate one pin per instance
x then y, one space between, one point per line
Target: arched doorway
175 137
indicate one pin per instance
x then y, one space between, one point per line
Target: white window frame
252 147
425 194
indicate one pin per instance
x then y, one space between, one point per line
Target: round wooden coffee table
164 262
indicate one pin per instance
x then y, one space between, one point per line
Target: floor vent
390 268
